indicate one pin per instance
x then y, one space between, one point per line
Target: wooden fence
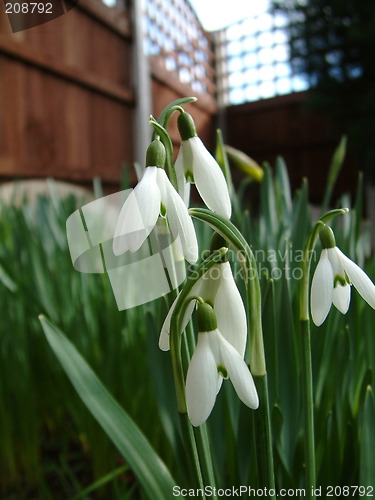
285 126
68 96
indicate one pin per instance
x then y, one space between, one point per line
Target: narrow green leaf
7 280
222 159
367 457
120 428
334 170
284 191
268 204
101 482
301 217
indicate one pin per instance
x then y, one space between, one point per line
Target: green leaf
268 204
222 159
284 191
7 280
367 457
333 173
151 472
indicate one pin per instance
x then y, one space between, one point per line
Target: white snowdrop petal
230 311
360 280
138 215
321 289
209 179
201 382
341 297
239 374
165 329
180 222
210 283
183 158
334 256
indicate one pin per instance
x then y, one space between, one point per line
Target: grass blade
367 460
123 432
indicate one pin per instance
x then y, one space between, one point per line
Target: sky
217 14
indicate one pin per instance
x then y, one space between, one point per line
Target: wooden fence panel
66 96
284 126
67 99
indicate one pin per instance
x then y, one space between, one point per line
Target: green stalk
262 418
202 441
192 450
262 427
307 378
308 408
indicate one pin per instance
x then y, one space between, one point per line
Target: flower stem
307 379
262 419
308 408
191 450
201 437
262 424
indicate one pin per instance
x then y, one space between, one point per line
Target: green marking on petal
339 280
163 210
189 176
222 371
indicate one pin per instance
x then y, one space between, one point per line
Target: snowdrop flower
215 359
218 288
332 279
195 164
154 196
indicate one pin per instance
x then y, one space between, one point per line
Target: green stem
262 425
262 419
307 378
308 408
191 450
201 438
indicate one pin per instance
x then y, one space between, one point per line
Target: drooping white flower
152 197
195 164
213 360
333 277
217 287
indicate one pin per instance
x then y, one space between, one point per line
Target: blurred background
279 79
287 78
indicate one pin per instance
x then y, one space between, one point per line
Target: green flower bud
206 318
327 238
186 126
156 155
